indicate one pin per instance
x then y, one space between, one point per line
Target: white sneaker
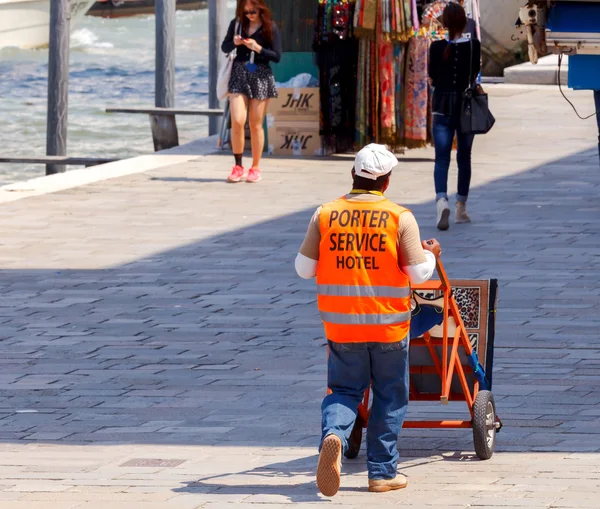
443 214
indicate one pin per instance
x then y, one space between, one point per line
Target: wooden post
217 28
165 54
164 128
58 84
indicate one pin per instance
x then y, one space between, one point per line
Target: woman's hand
237 40
252 45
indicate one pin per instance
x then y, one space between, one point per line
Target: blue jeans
443 135
350 369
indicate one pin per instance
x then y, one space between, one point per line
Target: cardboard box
296 139
295 105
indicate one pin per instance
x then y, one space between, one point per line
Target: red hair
265 16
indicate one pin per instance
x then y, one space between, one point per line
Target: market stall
372 57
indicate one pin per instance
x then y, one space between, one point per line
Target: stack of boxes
293 123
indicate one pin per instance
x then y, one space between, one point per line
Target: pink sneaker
253 175
237 174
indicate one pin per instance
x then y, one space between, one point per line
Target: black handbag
475 114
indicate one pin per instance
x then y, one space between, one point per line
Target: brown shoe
461 215
329 468
383 485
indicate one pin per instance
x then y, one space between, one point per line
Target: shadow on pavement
260 481
219 343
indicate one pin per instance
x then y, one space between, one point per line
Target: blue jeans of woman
444 129
350 369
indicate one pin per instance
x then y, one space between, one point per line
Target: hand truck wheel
484 425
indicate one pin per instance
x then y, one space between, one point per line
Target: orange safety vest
363 295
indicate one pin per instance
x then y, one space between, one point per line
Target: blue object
578 17
350 369
478 371
584 72
424 318
574 17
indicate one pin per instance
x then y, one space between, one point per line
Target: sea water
112 64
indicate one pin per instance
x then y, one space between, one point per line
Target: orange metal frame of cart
447 366
486 422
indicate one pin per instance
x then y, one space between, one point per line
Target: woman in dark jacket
252 83
453 65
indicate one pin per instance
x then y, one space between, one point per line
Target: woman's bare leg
257 112
238 106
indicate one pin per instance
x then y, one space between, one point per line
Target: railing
163 124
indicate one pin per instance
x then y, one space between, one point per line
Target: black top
450 77
271 51
471 29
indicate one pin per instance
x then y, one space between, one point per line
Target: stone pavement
157 349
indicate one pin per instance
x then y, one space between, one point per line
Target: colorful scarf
417 93
368 16
392 18
386 90
415 15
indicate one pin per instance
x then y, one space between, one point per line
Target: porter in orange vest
365 252
362 292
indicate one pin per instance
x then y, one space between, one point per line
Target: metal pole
164 92
217 28
58 84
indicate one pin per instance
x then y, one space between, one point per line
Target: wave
85 38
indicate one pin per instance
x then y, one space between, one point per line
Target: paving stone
183 332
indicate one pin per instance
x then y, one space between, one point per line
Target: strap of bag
470 63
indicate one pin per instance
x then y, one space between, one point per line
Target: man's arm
417 259
308 257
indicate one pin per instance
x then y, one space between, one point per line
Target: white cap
374 161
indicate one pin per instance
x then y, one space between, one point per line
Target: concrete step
545 72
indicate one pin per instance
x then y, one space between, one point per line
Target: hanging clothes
336 55
365 17
400 93
382 70
379 88
391 18
417 93
386 91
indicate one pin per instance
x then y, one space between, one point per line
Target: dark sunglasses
250 13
